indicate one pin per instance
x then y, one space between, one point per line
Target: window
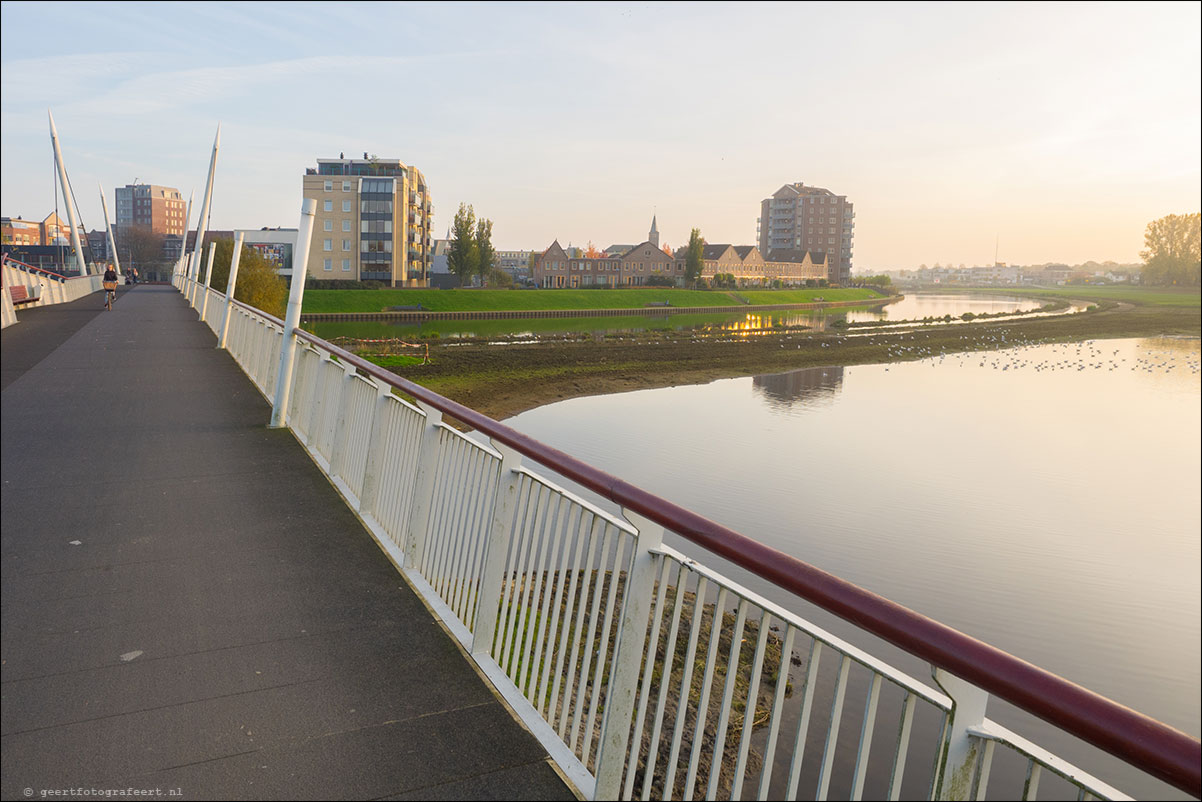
328 265
328 206
346 206
346 225
329 187
329 225
327 245
346 186
346 265
346 245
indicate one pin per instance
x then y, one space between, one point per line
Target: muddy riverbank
504 377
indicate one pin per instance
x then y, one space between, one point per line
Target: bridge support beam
296 294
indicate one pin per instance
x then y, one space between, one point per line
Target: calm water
912 307
1044 499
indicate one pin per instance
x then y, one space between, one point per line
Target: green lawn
349 301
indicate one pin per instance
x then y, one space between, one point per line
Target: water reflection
808 386
1044 498
916 306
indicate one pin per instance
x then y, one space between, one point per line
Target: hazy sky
1063 129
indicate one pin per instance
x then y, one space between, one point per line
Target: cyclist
110 287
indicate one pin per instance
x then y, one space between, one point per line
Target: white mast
108 228
203 220
62 180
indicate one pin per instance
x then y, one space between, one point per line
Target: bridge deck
188 604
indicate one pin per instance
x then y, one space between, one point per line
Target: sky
1051 132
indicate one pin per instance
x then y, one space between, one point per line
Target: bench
20 295
660 303
417 308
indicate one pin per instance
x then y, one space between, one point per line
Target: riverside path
189 607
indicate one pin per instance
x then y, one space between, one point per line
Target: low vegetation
373 301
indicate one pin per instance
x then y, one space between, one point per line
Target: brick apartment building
801 218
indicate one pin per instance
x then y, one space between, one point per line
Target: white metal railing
643 672
47 287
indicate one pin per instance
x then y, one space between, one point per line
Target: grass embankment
372 301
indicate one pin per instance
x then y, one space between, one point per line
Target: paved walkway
188 604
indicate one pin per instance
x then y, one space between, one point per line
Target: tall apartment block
801 218
372 222
161 209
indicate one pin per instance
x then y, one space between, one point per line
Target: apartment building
161 209
15 231
813 219
372 221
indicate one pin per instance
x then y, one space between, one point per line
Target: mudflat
503 378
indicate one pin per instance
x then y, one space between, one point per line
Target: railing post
423 485
204 288
375 451
229 289
957 768
300 267
339 437
492 578
628 658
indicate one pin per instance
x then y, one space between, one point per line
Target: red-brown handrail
32 268
1154 747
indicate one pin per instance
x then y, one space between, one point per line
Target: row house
556 268
748 266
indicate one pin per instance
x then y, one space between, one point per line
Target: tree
259 285
694 261
667 249
591 252
462 255
1172 255
139 246
486 254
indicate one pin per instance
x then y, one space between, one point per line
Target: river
1043 498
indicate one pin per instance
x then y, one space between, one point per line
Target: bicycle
110 294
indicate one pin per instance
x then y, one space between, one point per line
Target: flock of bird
1011 352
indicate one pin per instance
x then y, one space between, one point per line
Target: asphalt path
188 605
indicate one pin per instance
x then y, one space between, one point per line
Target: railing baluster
753 693
581 540
832 733
527 498
732 673
866 729
982 780
711 661
538 595
603 651
666 684
903 747
778 705
657 613
586 661
803 721
574 512
573 689
500 530
620 696
1031 786
423 485
685 686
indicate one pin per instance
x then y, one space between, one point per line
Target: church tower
653 235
